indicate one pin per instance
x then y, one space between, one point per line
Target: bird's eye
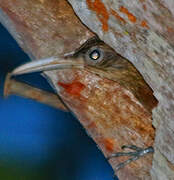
94 55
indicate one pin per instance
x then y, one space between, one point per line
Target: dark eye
94 56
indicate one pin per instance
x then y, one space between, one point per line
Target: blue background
40 142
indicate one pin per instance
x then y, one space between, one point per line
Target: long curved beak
48 64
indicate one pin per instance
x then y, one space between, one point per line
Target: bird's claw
134 155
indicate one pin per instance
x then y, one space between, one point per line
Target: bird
96 57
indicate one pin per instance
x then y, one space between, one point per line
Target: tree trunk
139 30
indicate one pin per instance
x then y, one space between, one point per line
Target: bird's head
97 59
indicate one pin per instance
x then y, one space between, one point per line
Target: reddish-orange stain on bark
101 11
130 16
92 125
109 144
73 88
144 7
117 16
144 24
170 30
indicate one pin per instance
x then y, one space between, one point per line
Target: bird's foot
134 155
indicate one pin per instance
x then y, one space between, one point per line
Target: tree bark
140 31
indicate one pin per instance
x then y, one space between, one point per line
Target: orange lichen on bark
144 24
73 88
109 144
130 16
101 12
117 16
